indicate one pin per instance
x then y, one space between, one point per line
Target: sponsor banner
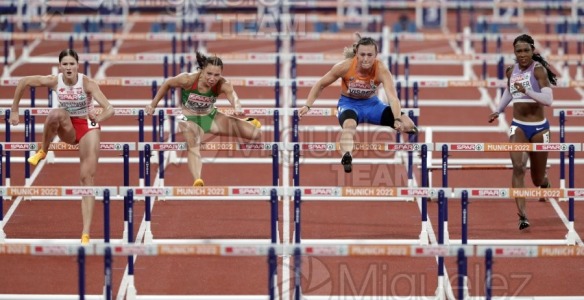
488 193
250 191
55 249
322 191
325 250
423 192
34 191
560 251
200 191
575 112
461 146
367 146
575 193
536 193
508 147
379 250
146 191
12 249
163 146
254 146
406 147
369 191
243 250
550 147
188 250
218 146
88 191
134 250
318 146
20 146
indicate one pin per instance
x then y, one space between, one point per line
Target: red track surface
493 219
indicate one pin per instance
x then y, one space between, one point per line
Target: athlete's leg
519 161
59 123
225 125
193 134
539 162
88 156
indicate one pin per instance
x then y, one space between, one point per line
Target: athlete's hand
14 117
520 88
303 110
149 110
238 111
92 115
398 124
493 116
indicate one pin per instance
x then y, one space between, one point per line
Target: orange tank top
355 85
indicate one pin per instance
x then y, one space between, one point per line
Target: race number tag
92 124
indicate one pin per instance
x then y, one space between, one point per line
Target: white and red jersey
73 98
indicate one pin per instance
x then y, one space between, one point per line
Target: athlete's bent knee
348 114
387 118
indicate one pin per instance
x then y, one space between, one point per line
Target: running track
322 220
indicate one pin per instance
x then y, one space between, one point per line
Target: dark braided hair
203 61
536 56
69 52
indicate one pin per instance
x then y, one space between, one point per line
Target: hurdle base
148 236
131 290
125 233
446 234
562 186
571 235
424 238
440 288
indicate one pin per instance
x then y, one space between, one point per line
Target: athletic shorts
203 121
531 128
368 110
82 127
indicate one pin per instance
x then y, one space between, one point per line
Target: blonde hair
349 52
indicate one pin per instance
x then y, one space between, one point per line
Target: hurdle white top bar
309 81
167 249
61 146
228 146
316 112
360 146
508 147
318 191
134 111
506 193
569 112
370 191
58 191
43 111
161 36
217 191
532 251
301 58
172 19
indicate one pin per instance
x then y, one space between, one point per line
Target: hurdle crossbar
354 249
61 146
508 147
57 191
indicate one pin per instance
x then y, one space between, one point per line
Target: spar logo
322 191
111 146
490 193
553 147
467 147
326 146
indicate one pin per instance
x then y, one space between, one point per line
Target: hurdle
147 147
514 147
371 194
62 193
563 113
60 146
